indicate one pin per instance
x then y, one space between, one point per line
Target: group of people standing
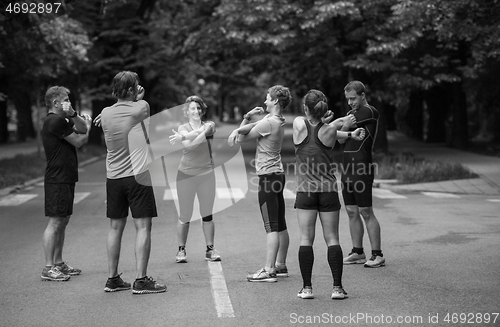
128 184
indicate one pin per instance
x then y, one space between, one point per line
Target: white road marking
225 193
386 194
79 196
219 291
287 194
494 200
170 194
16 199
222 193
439 195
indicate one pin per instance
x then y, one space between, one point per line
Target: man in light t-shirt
128 183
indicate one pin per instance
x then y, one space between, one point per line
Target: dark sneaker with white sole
148 285
116 284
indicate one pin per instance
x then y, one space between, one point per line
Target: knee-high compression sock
336 263
306 261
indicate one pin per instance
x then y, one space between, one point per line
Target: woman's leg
307 225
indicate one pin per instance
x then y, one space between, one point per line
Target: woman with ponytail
316 188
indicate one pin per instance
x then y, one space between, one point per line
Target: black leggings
271 202
188 187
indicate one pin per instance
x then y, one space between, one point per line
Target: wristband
247 117
349 135
73 115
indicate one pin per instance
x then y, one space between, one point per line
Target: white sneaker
375 262
262 276
212 255
338 293
306 293
354 258
181 256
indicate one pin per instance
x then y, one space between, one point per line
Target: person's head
316 103
195 107
55 96
125 84
278 95
355 94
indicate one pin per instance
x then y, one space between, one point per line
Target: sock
306 261
377 252
48 266
182 247
116 277
335 261
210 247
279 264
142 278
357 250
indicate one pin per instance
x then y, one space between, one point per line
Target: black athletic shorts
125 193
357 190
59 199
320 201
272 202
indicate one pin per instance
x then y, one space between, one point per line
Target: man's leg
51 239
58 250
355 225
114 244
372 227
142 245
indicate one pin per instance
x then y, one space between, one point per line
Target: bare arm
79 139
245 128
80 126
344 124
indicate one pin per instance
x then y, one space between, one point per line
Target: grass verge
24 167
408 169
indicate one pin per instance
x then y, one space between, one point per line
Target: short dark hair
282 94
53 93
198 100
356 86
316 103
122 82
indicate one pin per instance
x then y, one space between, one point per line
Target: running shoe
262 276
353 258
375 262
116 284
338 293
212 255
282 271
181 256
148 286
306 293
54 274
68 270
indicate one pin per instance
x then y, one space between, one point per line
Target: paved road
441 250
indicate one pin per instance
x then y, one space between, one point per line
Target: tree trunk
438 103
459 128
381 144
414 116
4 131
22 101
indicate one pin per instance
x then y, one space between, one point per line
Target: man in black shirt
63 131
357 178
